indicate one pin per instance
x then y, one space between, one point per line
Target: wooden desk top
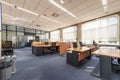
42 45
111 53
82 49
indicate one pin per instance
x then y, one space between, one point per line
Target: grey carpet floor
49 67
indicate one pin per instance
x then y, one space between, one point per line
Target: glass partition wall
21 36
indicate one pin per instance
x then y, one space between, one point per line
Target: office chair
53 47
81 44
96 45
118 47
46 43
74 44
116 67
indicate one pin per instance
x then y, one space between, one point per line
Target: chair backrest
94 43
81 44
118 47
46 43
53 44
74 44
119 60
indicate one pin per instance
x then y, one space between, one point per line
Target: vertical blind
70 34
55 35
104 29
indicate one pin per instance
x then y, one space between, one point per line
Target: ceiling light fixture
38 25
7 15
55 15
22 19
104 2
62 8
15 18
7 4
62 1
17 7
105 6
25 10
49 19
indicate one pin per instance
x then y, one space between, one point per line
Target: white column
61 35
79 32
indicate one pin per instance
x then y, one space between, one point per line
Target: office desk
38 50
105 64
61 46
77 55
82 49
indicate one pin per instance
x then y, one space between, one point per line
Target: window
69 34
11 28
11 36
55 35
47 35
102 30
3 35
3 27
20 33
38 31
20 29
29 30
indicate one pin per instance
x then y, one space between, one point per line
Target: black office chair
74 44
118 47
81 44
46 43
53 47
116 66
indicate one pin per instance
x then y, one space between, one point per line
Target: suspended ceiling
83 9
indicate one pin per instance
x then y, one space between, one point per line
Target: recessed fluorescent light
105 6
25 10
17 7
62 8
8 22
105 9
22 19
7 15
15 18
62 1
7 4
104 2
49 19
13 23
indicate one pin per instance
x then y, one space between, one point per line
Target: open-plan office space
60 40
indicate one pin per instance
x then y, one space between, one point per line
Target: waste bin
5 69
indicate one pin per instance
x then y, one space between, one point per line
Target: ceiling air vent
38 25
55 15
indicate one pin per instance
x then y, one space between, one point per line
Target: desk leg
105 67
